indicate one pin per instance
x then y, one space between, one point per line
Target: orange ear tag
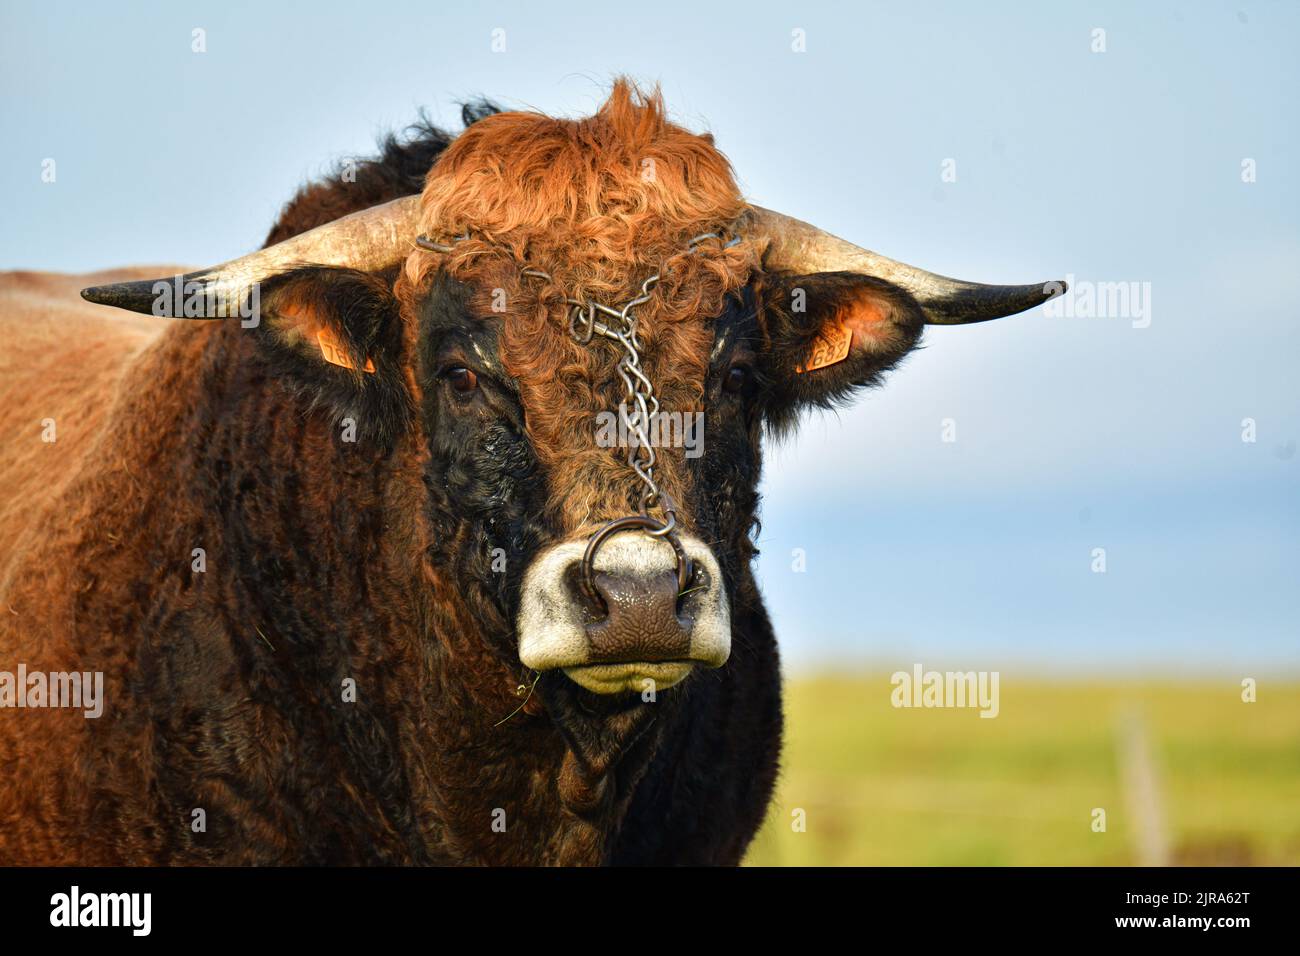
334 353
832 346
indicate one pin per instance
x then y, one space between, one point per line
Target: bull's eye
463 381
736 380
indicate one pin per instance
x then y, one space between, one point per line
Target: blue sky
1072 433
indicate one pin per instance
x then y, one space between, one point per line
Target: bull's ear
828 334
335 336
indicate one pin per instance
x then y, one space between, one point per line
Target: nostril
697 582
592 604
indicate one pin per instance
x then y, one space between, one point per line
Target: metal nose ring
630 523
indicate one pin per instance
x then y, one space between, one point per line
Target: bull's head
465 349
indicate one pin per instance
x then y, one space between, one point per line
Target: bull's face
529 441
465 350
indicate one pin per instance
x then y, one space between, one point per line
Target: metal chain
638 390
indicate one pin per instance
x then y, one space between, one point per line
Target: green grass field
884 786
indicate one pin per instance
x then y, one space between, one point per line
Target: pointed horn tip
137 296
998 302
132 296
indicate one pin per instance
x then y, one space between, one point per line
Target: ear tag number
832 346
334 353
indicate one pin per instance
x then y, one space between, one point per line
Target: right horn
370 240
796 246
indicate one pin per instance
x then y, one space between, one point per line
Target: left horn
371 240
796 246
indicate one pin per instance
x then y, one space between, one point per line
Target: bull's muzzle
643 632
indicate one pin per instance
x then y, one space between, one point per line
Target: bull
360 582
